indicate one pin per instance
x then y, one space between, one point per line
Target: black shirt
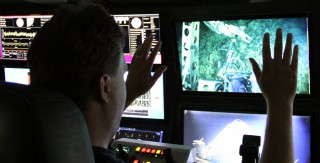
102 155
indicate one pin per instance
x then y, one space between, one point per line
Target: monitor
150 105
218 135
17 33
139 134
17 75
138 27
213 53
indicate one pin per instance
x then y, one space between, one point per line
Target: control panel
152 152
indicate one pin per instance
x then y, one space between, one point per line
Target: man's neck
98 126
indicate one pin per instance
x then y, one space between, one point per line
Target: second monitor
138 27
218 135
150 105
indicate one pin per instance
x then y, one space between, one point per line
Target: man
79 53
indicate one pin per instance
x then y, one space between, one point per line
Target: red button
148 150
136 161
143 150
153 151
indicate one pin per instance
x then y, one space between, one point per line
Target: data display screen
17 33
138 27
150 105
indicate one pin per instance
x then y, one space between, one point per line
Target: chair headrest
40 125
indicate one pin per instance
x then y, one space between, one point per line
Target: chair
40 125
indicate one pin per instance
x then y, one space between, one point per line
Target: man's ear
104 89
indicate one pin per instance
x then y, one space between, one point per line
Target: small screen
17 33
140 134
214 54
17 75
218 135
138 27
150 105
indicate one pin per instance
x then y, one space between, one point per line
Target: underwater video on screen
214 55
217 136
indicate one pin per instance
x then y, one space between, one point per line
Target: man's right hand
278 78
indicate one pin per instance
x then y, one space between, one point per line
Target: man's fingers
256 69
146 48
143 49
288 49
294 62
157 75
153 54
136 54
266 52
278 45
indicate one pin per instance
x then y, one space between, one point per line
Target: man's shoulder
102 155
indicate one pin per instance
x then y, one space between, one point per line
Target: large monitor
150 105
138 27
218 135
214 53
17 33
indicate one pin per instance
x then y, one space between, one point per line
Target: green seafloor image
214 55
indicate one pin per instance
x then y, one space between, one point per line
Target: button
158 151
143 150
148 150
153 151
136 161
138 149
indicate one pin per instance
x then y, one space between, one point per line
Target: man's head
74 51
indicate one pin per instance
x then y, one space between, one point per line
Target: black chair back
40 125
